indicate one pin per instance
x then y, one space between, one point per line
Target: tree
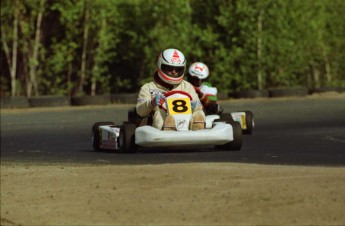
11 55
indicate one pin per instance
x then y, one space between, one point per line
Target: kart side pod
105 135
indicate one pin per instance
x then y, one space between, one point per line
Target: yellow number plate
179 106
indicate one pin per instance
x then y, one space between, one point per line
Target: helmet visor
173 71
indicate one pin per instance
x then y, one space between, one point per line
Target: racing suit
208 98
151 89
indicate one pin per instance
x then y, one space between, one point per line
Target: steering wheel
172 93
179 92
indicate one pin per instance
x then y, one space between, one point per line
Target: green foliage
247 44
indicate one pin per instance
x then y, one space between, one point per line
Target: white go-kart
222 131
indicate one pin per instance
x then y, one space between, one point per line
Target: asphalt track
290 131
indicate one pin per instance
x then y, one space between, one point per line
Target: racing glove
193 104
158 100
212 108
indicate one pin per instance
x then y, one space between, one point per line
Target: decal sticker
179 106
243 119
154 92
181 124
176 58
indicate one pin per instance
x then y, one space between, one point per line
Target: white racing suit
149 91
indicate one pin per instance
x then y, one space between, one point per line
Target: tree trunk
12 64
33 62
316 75
328 69
14 51
69 79
259 51
93 87
83 56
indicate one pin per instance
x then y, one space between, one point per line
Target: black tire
250 94
127 138
90 100
14 102
249 122
236 144
95 134
289 92
49 101
327 89
124 98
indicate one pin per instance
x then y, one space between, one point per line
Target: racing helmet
198 71
171 66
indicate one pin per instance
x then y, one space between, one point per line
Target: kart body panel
147 136
109 137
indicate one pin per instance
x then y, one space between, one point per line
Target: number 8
179 106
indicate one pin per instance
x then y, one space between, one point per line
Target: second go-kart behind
223 131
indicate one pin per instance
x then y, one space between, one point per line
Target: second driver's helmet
198 72
171 66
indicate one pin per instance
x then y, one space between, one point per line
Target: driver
167 77
198 73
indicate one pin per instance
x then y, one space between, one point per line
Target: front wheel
236 143
127 138
96 134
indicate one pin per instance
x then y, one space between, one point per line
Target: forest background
94 47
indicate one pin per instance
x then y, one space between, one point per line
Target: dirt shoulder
172 194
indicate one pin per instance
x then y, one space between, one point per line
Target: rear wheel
127 138
249 122
236 144
96 134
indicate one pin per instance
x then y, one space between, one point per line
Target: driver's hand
212 108
193 104
158 100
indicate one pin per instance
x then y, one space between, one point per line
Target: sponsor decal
196 67
176 58
181 124
108 144
241 118
154 92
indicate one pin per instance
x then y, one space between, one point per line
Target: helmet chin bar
169 80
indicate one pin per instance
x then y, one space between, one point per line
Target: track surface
303 131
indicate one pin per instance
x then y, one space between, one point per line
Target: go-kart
223 131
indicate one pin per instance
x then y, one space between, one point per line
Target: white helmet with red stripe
197 72
171 66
